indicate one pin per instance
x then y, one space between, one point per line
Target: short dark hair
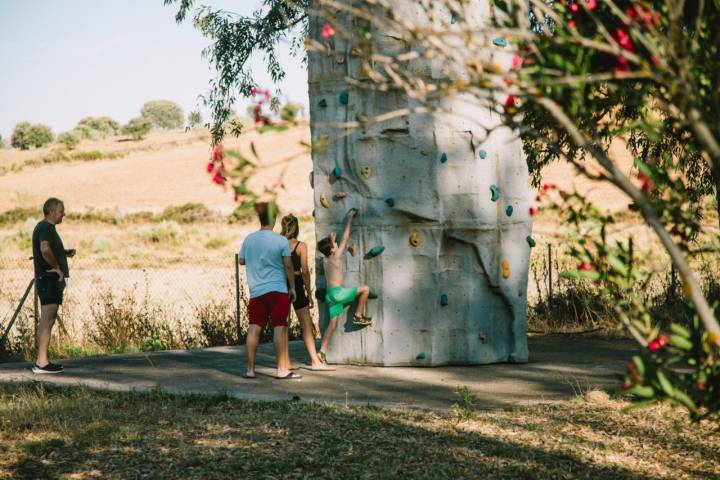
266 213
325 246
50 205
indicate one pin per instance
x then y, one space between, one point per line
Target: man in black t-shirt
51 270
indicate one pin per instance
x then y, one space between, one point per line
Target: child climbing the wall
338 297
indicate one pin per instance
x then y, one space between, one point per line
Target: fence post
550 278
36 313
237 295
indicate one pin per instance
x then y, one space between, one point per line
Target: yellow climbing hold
415 239
324 201
366 172
506 269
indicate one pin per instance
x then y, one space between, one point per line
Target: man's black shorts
50 290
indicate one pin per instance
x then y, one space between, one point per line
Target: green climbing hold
444 300
390 202
374 252
500 42
494 192
509 210
372 294
443 158
344 97
531 241
337 171
323 103
483 154
420 356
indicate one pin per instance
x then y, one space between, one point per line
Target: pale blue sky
61 60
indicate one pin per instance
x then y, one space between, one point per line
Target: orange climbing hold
366 172
505 269
415 240
324 201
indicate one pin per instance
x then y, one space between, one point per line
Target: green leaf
586 275
617 264
643 391
680 330
640 365
639 404
681 342
665 384
682 398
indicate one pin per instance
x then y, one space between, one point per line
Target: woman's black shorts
302 300
50 290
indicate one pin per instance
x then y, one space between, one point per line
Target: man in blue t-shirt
266 256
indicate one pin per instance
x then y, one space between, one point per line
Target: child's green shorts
337 298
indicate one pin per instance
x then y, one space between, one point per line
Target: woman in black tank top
303 303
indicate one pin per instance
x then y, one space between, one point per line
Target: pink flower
533 211
574 8
517 61
658 343
328 31
647 184
218 178
591 4
623 65
623 39
217 154
210 167
254 91
572 23
584 267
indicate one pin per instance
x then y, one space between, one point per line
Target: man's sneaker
49 368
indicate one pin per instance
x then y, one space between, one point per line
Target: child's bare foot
352 249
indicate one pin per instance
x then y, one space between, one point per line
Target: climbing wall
448 201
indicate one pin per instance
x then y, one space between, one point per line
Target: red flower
591 4
328 31
623 65
218 178
574 8
623 39
217 154
210 167
510 101
647 184
624 386
517 61
658 343
584 267
572 23
547 186
533 211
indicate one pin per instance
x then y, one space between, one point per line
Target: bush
97 128
163 114
289 112
166 232
188 213
16 215
194 119
137 128
26 135
69 139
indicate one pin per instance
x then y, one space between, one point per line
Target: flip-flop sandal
249 377
290 376
321 356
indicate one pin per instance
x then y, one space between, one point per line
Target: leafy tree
69 139
26 135
194 119
2 142
137 127
289 111
97 128
163 114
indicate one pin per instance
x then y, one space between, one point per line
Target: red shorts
274 306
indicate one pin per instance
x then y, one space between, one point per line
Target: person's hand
70 252
351 214
59 273
333 237
292 295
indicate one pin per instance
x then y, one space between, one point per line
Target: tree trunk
452 280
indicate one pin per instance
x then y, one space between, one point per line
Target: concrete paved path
559 368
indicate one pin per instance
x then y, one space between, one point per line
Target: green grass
79 433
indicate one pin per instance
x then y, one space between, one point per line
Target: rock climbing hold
444 300
443 158
415 239
353 210
340 195
362 119
320 294
530 241
494 193
337 171
374 252
344 97
340 59
390 202
323 103
500 42
313 214
453 17
506 269
420 356
324 201
372 294
483 154
509 210
366 172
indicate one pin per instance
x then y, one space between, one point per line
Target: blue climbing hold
483 154
500 42
444 300
509 210
323 103
494 193
443 158
390 202
344 97
420 356
337 171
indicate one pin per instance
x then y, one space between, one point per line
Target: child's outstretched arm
346 234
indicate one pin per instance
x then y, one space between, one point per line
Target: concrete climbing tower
447 200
